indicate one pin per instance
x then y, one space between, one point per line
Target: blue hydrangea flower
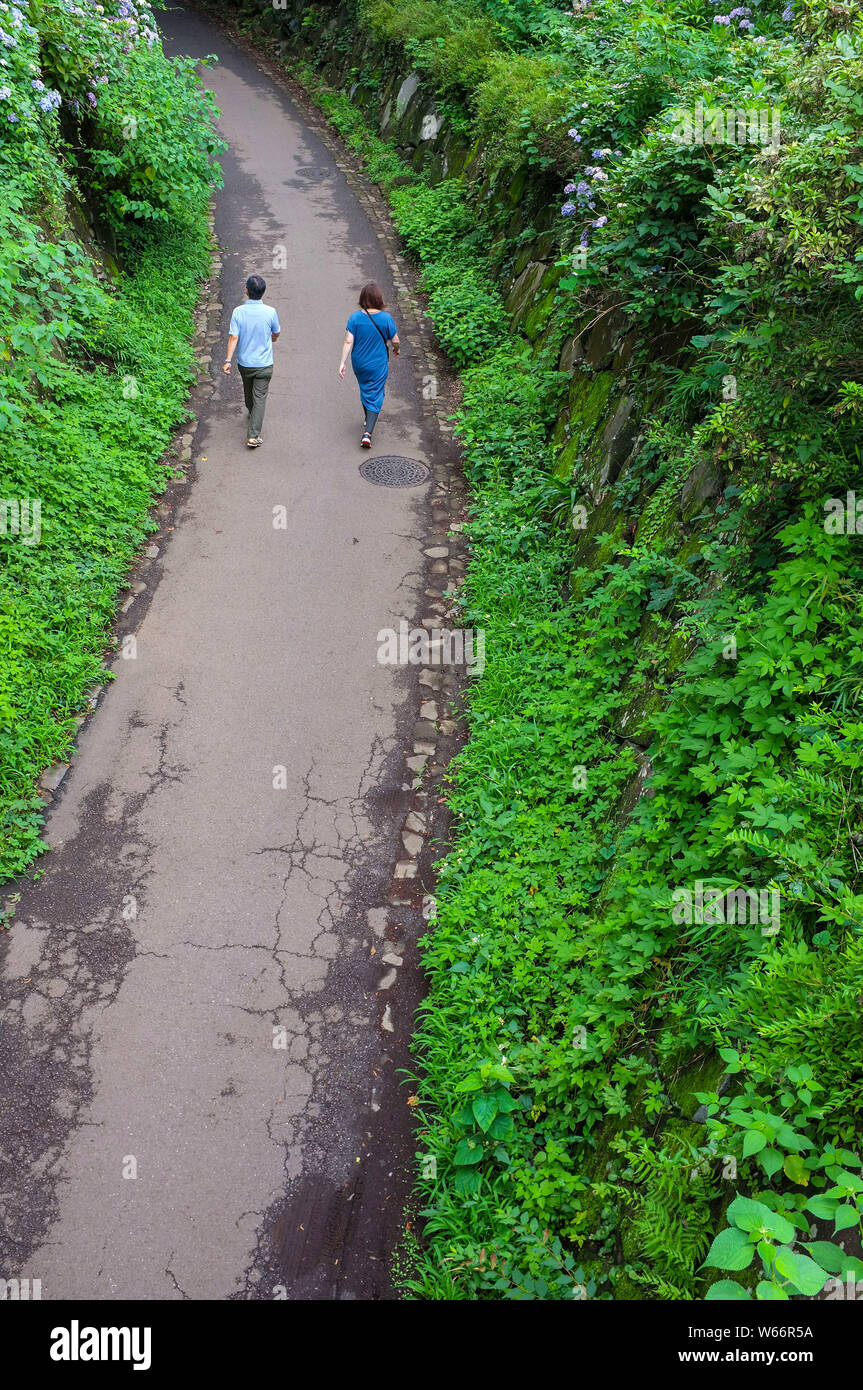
568 209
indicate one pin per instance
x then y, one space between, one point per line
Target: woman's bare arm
346 347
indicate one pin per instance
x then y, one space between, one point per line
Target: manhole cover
391 471
309 171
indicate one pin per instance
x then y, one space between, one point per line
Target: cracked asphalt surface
188 989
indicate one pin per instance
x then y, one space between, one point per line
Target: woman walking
370 330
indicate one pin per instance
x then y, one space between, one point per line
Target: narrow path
190 907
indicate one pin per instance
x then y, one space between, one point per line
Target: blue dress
369 354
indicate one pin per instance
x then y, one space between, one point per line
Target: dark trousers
256 384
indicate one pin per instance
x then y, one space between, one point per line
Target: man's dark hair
371 296
256 285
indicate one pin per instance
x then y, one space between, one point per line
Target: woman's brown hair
371 296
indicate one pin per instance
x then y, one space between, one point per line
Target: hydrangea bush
95 74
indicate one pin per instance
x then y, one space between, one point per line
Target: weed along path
200 1058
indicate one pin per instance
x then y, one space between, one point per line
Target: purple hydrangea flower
568 209
569 188
788 13
721 19
600 221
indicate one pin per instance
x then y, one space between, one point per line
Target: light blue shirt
253 323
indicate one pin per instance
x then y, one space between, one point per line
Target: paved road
190 907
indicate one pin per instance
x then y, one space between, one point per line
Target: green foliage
451 41
465 304
153 155
509 404
434 220
756 1228
467 310
142 123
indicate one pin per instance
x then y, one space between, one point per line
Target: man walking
254 328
